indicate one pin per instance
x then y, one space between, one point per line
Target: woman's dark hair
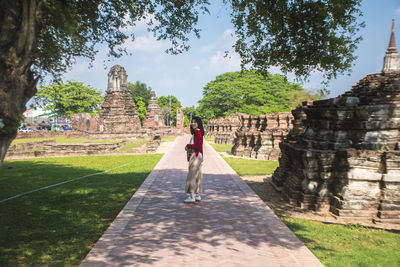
199 124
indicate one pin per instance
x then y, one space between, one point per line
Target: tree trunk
5 141
18 42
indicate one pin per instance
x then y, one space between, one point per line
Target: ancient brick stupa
118 109
343 156
154 118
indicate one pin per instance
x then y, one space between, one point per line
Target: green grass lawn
63 139
347 245
252 166
222 147
59 225
209 139
168 139
134 143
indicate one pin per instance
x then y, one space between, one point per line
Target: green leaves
141 109
63 100
297 36
69 29
251 93
140 90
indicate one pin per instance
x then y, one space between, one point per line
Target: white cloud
398 10
196 68
206 48
146 43
143 70
221 63
226 41
140 26
229 35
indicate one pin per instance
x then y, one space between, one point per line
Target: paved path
230 227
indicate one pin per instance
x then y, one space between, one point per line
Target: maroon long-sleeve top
198 142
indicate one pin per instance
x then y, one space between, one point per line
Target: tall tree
63 100
164 103
45 36
297 36
140 90
249 92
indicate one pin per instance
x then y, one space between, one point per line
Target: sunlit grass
30 140
222 147
252 166
168 139
347 245
63 139
59 225
134 143
209 139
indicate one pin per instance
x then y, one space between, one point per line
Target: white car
26 130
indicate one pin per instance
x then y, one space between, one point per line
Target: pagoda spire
392 43
391 59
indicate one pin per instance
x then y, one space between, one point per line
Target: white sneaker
190 200
197 198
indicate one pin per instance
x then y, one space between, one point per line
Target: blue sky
185 75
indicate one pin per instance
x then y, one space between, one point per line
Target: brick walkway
230 227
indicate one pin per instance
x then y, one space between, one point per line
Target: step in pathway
231 226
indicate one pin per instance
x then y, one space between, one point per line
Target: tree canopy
140 90
63 100
251 93
297 36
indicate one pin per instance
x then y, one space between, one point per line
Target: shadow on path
230 226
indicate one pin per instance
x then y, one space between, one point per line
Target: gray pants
194 181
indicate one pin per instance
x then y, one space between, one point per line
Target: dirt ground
273 199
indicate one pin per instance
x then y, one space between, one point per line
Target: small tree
63 100
141 109
186 121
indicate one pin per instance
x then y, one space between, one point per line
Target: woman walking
194 181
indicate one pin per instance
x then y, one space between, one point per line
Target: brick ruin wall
254 136
223 129
342 155
259 136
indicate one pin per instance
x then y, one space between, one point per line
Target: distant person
194 181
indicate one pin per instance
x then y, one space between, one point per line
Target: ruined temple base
262 185
49 148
